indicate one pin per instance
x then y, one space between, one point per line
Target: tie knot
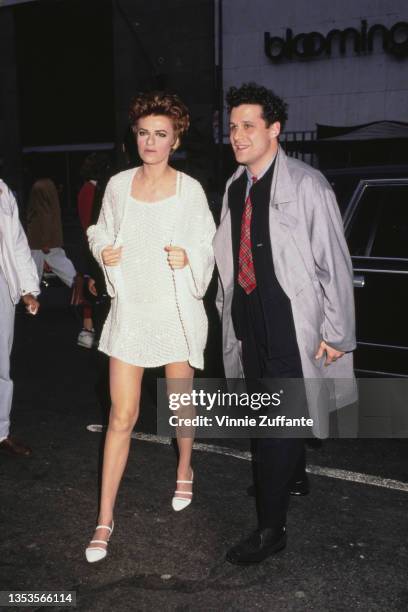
254 179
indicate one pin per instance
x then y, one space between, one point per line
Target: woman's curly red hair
161 103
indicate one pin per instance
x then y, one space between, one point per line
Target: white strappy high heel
97 553
179 503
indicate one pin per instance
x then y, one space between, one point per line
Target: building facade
69 68
341 63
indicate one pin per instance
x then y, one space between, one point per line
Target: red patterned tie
246 270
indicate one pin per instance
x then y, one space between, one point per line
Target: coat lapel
223 250
281 224
287 260
282 188
222 242
282 193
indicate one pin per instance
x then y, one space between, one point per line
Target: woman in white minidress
153 240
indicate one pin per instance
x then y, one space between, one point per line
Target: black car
376 226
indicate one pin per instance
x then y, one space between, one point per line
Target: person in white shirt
18 280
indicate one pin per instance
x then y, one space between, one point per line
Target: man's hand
92 287
32 305
332 354
111 256
177 257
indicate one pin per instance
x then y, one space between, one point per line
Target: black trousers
278 461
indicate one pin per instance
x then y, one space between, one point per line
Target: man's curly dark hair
273 107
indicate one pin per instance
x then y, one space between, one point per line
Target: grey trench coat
313 266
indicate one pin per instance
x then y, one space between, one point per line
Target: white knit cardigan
194 231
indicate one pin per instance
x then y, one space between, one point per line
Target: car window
379 226
343 187
391 237
363 223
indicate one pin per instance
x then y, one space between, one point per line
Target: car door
376 225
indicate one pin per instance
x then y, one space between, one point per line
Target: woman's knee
123 421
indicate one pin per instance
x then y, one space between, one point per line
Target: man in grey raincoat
285 295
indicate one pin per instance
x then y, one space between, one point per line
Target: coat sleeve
334 269
199 250
25 266
102 234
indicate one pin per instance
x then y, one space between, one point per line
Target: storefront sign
314 44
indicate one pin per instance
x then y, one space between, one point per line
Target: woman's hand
177 257
332 354
111 256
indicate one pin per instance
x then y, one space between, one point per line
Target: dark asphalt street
347 546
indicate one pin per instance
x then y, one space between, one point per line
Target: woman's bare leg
182 371
125 384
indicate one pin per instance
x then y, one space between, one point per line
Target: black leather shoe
261 544
297 488
13 447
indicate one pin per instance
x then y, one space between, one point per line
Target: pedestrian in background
93 171
44 231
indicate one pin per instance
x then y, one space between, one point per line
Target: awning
4 3
70 148
378 130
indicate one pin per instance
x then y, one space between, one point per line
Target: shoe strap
185 481
105 527
184 492
99 542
